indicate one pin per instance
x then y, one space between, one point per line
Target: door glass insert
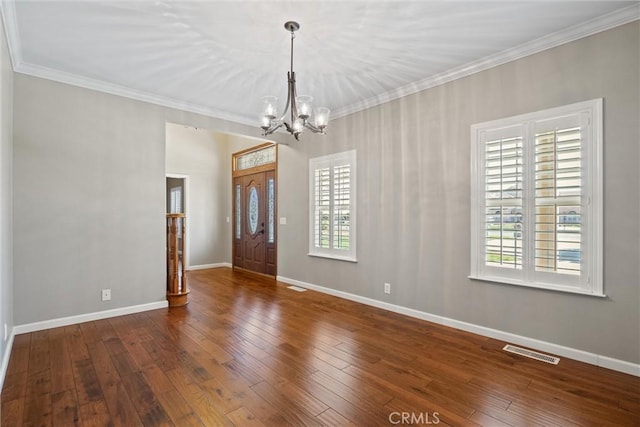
271 208
253 210
238 212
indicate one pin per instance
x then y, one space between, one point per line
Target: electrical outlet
106 295
387 288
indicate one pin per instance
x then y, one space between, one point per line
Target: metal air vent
531 354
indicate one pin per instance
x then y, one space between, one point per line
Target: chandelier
299 107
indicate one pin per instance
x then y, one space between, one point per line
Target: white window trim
591 278
332 160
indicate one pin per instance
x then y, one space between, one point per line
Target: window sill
556 288
331 256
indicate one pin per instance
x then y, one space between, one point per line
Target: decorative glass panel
253 210
238 213
271 237
256 158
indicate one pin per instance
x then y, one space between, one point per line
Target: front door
254 229
254 251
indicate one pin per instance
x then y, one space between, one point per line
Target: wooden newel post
176 274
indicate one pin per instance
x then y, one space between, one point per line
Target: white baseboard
206 266
88 317
71 320
5 359
619 365
571 353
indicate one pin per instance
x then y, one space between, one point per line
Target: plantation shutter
322 230
341 206
503 198
558 195
332 206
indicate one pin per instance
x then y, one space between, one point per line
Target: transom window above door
254 158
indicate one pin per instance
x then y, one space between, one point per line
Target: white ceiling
221 58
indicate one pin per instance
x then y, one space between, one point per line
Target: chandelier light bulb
265 122
304 106
269 107
322 117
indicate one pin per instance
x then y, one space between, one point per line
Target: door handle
262 231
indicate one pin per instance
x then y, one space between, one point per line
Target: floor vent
296 288
531 354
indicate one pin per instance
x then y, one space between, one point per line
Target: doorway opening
254 176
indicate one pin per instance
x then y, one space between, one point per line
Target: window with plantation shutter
536 208
332 206
322 212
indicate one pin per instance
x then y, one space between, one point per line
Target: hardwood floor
249 352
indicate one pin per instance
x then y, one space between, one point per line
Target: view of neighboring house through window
332 195
536 199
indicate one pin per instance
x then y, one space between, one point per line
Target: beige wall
89 197
414 197
6 231
201 155
89 205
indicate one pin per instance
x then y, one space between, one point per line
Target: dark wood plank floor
249 352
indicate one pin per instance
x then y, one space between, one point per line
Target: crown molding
8 11
599 24
585 29
114 89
